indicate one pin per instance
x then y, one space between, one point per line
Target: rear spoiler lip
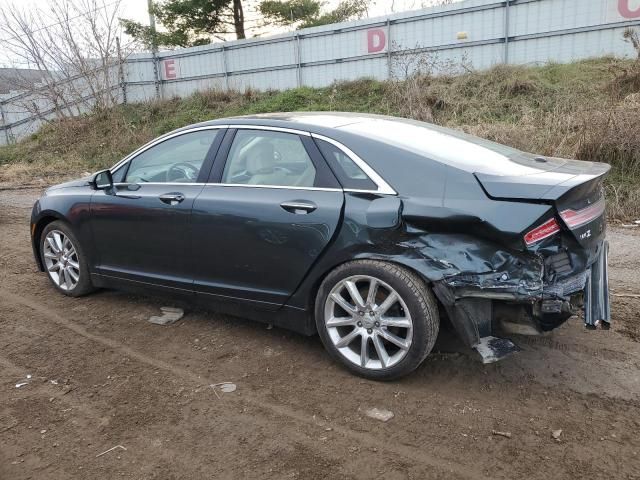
516 188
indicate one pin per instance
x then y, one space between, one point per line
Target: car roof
440 144
445 145
311 121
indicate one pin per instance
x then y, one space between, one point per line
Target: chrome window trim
124 184
281 187
363 190
246 185
213 184
156 141
383 187
159 140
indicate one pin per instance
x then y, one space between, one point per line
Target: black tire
418 299
83 285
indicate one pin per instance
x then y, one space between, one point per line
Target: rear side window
260 157
348 172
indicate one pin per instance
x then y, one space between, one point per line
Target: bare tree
632 36
73 44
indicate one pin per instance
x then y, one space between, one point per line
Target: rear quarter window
349 174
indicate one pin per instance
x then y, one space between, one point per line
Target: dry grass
588 110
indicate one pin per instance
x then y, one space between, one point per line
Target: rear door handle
299 207
171 198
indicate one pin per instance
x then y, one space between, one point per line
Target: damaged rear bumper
478 304
590 288
597 309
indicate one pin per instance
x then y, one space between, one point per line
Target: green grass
588 110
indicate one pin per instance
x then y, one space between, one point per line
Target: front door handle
299 207
171 198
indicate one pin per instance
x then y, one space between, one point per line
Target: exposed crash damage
491 284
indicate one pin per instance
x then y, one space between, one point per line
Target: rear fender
463 265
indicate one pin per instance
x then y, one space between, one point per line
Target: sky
137 10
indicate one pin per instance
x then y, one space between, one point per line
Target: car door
272 206
141 228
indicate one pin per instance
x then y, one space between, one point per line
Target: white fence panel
268 80
481 33
258 55
323 75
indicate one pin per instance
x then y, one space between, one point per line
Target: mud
102 376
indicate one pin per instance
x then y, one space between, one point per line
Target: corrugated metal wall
480 33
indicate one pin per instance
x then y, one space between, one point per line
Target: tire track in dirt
410 453
188 459
43 388
182 458
553 344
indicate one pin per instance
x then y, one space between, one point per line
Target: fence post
506 31
224 65
154 47
156 73
298 61
123 83
389 67
5 127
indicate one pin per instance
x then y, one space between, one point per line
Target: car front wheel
64 260
378 319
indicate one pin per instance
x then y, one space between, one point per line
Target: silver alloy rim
61 260
368 322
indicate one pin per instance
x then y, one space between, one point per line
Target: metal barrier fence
481 33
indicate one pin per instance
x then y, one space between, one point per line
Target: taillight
575 219
548 228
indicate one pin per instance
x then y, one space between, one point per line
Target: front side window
260 157
176 160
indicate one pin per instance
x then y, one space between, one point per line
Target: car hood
80 182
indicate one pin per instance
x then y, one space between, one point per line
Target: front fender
71 205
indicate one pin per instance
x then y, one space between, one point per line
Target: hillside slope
588 110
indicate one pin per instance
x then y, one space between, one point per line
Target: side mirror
102 180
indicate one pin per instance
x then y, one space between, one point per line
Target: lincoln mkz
370 231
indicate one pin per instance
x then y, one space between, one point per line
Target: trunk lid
542 179
573 187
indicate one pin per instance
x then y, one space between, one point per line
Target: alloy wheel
368 322
61 260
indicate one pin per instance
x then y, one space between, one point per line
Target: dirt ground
102 376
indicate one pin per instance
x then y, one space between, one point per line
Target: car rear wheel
64 260
378 319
